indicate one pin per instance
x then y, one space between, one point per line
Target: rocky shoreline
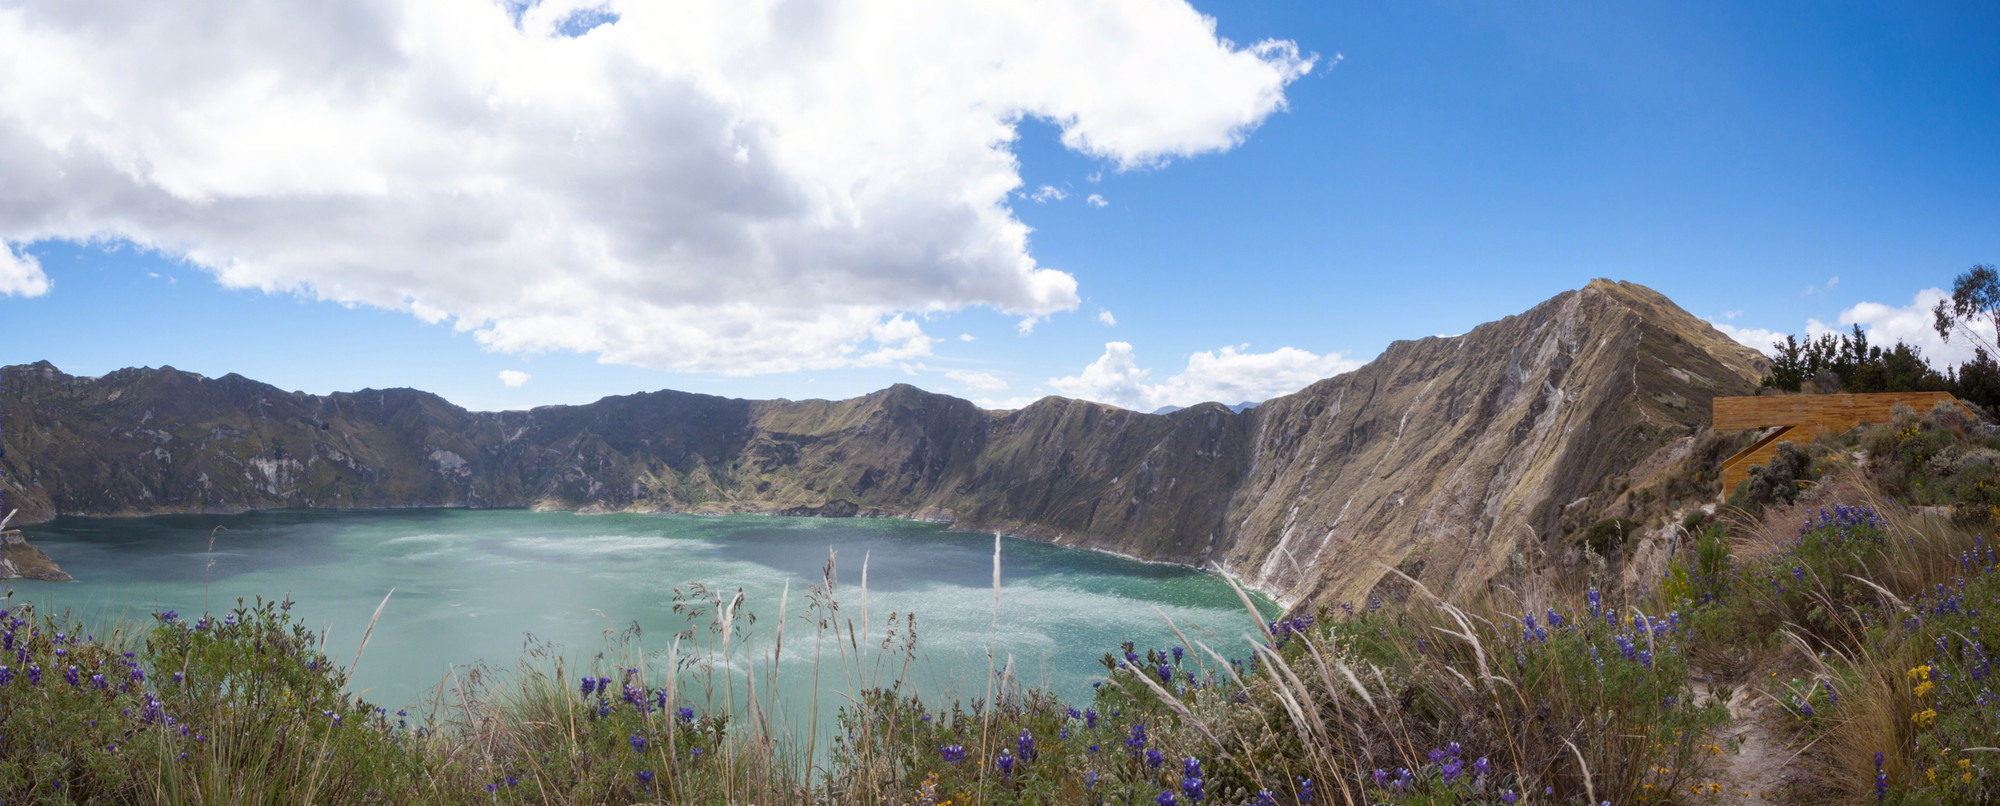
19 560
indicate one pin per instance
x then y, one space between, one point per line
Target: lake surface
473 586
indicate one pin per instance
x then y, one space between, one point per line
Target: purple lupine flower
1508 797
1381 778
1191 781
1305 790
951 753
6 675
1138 740
1025 746
638 743
1881 780
1166 798
1005 762
646 778
685 713
72 675
1482 768
1090 779
1596 603
1177 654
1090 717
588 685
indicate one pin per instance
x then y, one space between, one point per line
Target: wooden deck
1802 419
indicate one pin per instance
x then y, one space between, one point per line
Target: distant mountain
1445 457
1238 408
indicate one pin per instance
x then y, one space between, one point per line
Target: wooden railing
1804 418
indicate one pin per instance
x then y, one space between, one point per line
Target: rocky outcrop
1453 459
18 560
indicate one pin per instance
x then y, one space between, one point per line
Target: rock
19 560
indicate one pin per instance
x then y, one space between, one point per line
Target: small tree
1975 298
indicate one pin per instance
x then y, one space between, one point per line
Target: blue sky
432 195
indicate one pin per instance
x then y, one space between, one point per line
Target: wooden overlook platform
1801 419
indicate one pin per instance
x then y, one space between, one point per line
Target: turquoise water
477 586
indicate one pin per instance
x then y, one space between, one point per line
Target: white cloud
20 273
977 380
1048 193
1826 288
1229 375
639 192
1106 317
1097 201
1886 325
967 337
1757 339
1007 403
513 377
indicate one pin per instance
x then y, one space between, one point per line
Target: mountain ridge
1307 496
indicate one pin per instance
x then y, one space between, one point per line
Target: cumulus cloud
1097 201
20 273
1106 317
977 380
1754 338
1230 375
1885 325
1047 193
736 187
1912 323
1005 403
513 377
967 337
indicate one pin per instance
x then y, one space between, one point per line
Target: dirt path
1752 767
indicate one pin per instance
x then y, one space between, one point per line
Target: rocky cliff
1454 459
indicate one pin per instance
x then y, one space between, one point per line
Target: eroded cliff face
1452 459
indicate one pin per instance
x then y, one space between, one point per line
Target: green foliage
242 707
1606 536
1776 483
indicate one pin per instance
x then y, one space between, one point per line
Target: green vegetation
1847 595
1848 363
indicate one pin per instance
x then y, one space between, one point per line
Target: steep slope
1448 458
1451 459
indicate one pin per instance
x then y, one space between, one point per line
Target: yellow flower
1921 672
1931 773
1924 718
1924 689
